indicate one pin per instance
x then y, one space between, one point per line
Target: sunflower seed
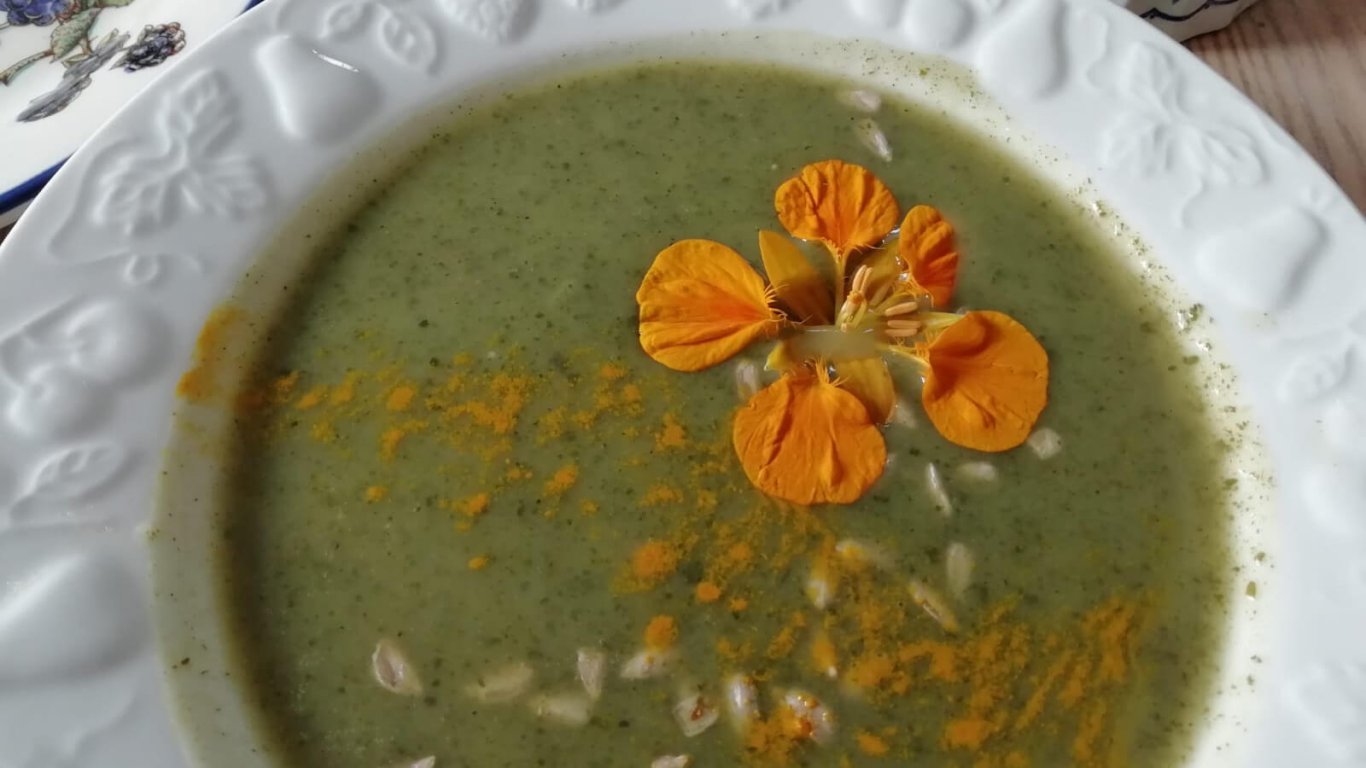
821 582
747 383
393 671
933 604
592 666
872 137
861 100
503 684
695 714
816 720
742 701
978 471
671 761
572 708
939 491
1045 443
958 565
855 551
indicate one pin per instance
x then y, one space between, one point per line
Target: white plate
106 281
68 65
43 141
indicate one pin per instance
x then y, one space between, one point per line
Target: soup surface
460 486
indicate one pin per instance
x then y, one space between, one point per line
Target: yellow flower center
891 313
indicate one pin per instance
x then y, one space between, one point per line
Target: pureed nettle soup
710 414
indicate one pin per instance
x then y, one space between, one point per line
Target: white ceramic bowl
106 281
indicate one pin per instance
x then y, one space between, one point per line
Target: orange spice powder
671 435
563 479
611 372
660 494
1001 681
474 506
871 744
400 398
707 592
345 392
312 398
653 562
661 632
198 383
393 437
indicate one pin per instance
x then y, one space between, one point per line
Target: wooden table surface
1304 62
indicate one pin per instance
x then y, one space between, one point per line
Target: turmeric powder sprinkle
872 744
653 561
984 683
475 505
563 479
200 382
400 398
671 435
617 425
661 632
707 592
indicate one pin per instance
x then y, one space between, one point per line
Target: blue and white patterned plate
1183 19
106 281
67 65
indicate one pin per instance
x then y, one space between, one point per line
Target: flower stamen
855 305
884 292
904 308
861 277
903 329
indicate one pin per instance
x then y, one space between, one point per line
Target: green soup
457 453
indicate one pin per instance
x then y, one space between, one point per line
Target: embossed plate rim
101 293
14 198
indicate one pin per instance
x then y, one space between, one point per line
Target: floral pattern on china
76 44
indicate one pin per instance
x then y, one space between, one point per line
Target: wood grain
1304 62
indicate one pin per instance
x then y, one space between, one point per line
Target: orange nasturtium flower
814 436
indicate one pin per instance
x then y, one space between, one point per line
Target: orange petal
987 382
926 245
843 205
870 381
701 303
805 440
795 281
